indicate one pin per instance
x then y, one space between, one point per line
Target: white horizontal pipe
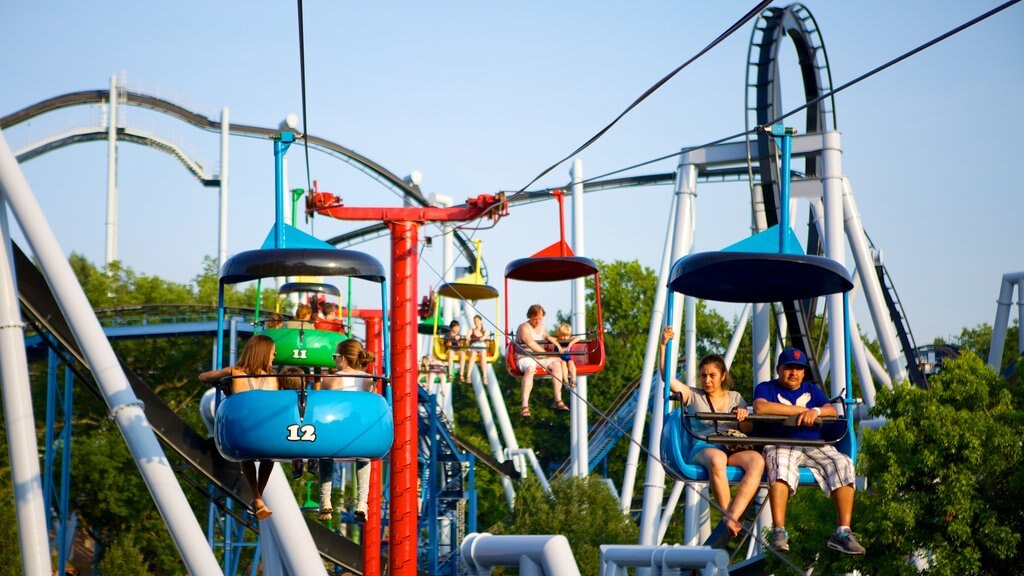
662 559
481 552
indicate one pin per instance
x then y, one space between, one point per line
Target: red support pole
371 529
404 472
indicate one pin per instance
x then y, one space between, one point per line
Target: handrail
718 438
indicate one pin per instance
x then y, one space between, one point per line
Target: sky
480 97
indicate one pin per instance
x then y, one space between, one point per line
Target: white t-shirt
348 382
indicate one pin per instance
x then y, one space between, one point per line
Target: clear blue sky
481 97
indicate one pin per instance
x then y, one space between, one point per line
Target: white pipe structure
222 234
487 419
871 283
447 255
682 242
532 459
995 352
858 351
125 408
663 560
501 413
760 323
646 373
29 502
579 436
111 224
286 528
534 555
737 336
670 508
832 196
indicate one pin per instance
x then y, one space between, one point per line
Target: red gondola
552 264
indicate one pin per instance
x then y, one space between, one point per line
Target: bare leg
555 369
778 497
249 473
844 505
462 365
472 362
528 385
266 467
752 464
714 460
571 365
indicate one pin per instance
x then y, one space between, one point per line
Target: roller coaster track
763 104
369 167
199 452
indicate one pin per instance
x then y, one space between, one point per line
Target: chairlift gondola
471 287
767 267
554 264
285 424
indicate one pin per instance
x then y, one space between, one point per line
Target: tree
945 478
123 557
581 509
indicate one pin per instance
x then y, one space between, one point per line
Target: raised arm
674 384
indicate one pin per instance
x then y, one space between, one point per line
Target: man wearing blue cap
789 395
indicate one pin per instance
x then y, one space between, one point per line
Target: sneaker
780 539
846 543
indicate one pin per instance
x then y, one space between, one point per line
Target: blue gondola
285 425
764 268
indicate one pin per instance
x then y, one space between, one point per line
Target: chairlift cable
302 77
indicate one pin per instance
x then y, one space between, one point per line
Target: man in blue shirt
789 395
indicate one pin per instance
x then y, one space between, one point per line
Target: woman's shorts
526 362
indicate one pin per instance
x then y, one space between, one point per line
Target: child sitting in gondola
566 343
454 345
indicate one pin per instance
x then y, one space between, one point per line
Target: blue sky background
480 97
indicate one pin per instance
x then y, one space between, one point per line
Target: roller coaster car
741 276
290 424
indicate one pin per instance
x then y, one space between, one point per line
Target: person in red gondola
530 354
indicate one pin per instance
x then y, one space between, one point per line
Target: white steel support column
654 485
995 352
858 351
222 238
111 225
871 284
835 248
447 256
30 507
647 372
760 323
578 398
125 408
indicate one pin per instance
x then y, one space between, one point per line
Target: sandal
525 411
560 406
325 514
261 511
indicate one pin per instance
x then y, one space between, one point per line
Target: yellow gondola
469 287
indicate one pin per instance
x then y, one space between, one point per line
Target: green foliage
123 557
946 475
581 509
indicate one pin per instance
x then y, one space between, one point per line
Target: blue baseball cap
793 356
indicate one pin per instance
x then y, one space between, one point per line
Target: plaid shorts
830 467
